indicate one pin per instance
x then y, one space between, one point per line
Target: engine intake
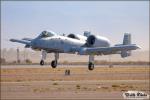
91 40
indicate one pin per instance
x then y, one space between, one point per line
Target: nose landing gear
44 53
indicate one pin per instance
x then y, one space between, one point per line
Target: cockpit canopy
45 34
73 36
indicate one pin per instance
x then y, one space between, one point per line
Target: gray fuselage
57 43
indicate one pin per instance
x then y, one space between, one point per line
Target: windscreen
45 34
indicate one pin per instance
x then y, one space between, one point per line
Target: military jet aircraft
87 44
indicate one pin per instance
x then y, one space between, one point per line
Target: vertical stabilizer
127 39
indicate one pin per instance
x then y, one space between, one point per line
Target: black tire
42 62
91 66
54 64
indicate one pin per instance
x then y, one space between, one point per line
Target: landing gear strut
43 57
91 62
54 62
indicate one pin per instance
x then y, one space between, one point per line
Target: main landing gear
91 62
53 63
56 55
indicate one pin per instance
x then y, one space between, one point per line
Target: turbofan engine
97 41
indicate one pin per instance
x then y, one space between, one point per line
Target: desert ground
47 83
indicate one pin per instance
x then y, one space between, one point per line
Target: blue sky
106 18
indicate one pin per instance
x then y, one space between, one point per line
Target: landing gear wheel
42 62
54 63
91 66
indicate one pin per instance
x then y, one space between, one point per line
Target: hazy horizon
35 56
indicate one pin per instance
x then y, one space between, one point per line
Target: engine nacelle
77 36
97 41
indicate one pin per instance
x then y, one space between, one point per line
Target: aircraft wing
20 41
107 50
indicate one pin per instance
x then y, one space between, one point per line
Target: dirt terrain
48 83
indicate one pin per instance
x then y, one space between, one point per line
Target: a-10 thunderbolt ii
87 44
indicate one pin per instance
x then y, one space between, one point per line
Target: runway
69 89
62 66
82 81
48 83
